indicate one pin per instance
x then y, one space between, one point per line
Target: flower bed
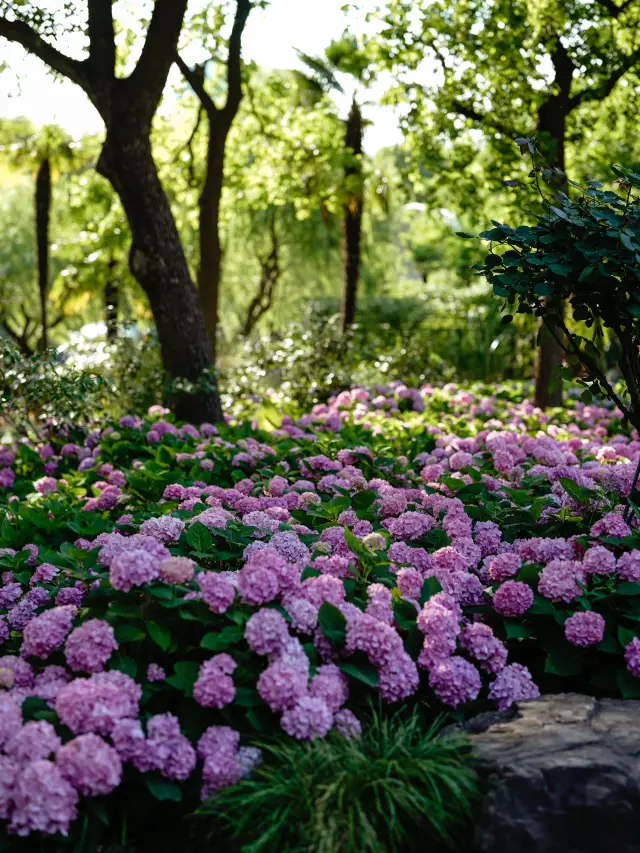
173 595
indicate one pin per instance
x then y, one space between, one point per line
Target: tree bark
111 293
158 262
270 272
42 219
552 119
210 269
353 206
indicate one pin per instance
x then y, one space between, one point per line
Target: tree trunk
270 272
42 218
158 262
210 268
353 205
111 302
552 129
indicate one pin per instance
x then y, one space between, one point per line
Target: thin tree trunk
42 218
210 269
270 272
158 262
552 118
353 205
111 293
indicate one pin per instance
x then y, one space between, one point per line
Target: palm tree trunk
353 205
42 219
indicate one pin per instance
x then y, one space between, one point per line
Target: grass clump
395 789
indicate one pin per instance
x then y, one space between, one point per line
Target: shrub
395 789
182 594
585 249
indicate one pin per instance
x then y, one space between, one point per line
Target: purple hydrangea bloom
92 766
513 598
214 687
266 631
513 684
309 718
46 632
584 629
90 646
455 681
133 568
217 591
36 739
95 704
44 801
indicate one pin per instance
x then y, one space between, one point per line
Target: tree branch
21 33
613 9
102 46
486 121
195 78
234 60
599 93
158 52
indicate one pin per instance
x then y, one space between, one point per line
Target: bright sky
270 39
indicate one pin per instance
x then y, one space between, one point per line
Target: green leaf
159 634
364 499
626 635
565 661
162 789
355 544
186 675
517 630
628 588
129 633
332 624
405 614
465 236
247 697
199 537
430 587
123 663
578 493
364 672
628 684
219 641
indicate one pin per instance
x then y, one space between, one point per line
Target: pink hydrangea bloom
584 629
214 687
266 631
512 599
309 718
89 647
44 801
46 632
455 681
513 684
90 764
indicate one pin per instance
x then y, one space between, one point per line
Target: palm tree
44 151
345 56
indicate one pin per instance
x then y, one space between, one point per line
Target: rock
561 774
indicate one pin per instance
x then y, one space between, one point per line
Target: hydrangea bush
173 596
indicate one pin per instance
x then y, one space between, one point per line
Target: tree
127 106
219 121
345 56
512 68
46 152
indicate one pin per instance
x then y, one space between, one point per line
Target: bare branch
195 78
600 92
21 33
189 147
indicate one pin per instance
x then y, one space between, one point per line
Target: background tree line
255 203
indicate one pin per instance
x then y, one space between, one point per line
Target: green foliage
35 389
395 789
584 249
